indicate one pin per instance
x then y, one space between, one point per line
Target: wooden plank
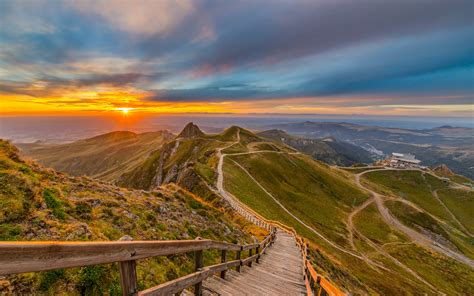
249 247
250 255
184 282
18 257
223 260
198 264
312 272
308 287
249 259
258 253
237 257
128 277
265 240
330 288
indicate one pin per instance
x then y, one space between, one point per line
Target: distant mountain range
453 146
329 149
105 157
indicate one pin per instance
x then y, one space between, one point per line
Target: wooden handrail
311 277
20 257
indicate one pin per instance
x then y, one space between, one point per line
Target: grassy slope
39 204
421 221
104 157
349 272
444 273
461 204
418 188
413 186
308 189
322 198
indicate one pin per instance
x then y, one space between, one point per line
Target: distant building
400 160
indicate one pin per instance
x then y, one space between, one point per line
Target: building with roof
401 160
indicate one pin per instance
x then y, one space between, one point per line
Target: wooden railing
20 257
314 282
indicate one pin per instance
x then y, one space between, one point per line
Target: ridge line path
224 193
279 272
412 234
363 257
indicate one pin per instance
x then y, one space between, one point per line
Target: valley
448 145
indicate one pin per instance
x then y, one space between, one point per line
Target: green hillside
276 183
421 189
40 204
104 157
350 243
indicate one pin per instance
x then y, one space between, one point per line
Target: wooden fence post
223 260
128 278
258 252
198 265
238 258
128 273
320 290
250 255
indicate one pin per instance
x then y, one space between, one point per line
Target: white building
401 160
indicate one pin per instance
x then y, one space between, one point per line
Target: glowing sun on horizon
124 110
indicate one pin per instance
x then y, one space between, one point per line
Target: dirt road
412 234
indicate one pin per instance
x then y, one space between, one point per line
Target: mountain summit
190 130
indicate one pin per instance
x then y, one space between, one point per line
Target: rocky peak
443 171
190 130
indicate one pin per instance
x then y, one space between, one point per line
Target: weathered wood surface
280 272
18 257
181 283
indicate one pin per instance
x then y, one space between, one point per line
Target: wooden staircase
278 265
279 272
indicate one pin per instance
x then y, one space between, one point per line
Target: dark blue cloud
247 50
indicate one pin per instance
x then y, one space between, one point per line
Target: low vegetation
40 204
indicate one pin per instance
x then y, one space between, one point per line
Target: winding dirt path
226 195
412 234
372 264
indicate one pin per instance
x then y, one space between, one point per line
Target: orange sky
113 101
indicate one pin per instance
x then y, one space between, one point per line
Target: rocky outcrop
443 171
190 130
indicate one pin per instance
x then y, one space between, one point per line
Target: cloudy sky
406 57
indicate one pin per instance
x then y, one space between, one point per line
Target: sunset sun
124 110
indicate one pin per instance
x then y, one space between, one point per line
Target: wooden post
237 257
250 255
128 278
258 252
320 290
198 265
223 260
128 273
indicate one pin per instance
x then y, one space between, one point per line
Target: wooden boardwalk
279 272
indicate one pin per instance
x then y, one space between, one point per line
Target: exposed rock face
190 130
443 170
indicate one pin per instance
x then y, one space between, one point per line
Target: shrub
84 210
9 232
48 278
53 203
92 279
